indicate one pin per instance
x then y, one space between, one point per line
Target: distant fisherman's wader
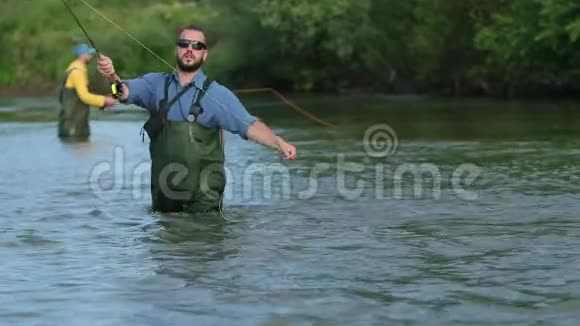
73 118
187 159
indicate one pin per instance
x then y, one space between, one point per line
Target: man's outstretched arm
231 115
261 133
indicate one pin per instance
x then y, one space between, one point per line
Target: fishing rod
117 86
80 25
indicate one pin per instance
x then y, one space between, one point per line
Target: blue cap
83 49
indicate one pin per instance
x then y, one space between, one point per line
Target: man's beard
189 68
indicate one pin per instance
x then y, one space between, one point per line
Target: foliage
533 41
385 45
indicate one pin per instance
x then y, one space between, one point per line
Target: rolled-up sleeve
230 113
142 90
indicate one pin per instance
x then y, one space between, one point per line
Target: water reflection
184 245
325 259
179 228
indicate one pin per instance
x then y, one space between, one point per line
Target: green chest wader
187 160
73 118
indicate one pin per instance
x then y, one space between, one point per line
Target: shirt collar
198 79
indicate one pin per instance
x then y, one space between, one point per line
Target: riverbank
48 90
51 89
39 90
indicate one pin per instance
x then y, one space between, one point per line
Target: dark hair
192 27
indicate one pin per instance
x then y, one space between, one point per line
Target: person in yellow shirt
76 99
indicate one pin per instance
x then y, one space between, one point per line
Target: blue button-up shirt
221 108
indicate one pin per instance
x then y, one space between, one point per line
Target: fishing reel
117 89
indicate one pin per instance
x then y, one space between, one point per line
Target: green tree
533 42
442 40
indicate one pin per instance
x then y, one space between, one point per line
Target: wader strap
163 106
196 108
60 94
185 89
164 109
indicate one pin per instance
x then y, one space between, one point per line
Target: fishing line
303 112
81 26
151 51
127 33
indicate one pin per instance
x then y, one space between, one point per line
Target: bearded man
188 112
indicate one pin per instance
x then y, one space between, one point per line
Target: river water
461 212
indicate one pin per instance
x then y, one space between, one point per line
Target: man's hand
109 101
287 150
262 134
105 67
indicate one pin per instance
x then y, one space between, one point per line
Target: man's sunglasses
196 45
